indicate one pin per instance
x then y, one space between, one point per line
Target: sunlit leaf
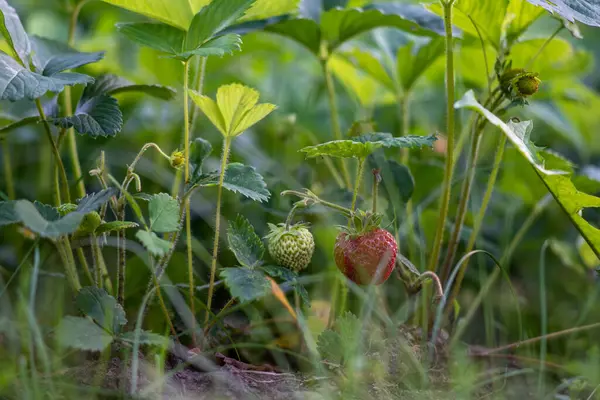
245 243
370 64
412 63
210 109
155 245
157 36
237 104
246 284
51 57
164 213
82 334
14 33
101 307
280 296
220 46
585 11
521 15
304 31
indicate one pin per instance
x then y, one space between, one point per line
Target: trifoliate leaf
339 345
341 149
157 36
51 57
29 215
97 116
164 213
82 334
213 18
402 142
243 179
109 84
17 83
585 11
14 33
155 245
245 243
246 284
115 226
97 304
145 338
219 46
93 202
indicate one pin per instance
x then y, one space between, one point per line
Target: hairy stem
66 254
335 122
85 265
447 185
61 168
359 174
213 266
405 159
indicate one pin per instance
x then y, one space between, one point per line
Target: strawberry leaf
101 307
340 345
246 284
97 116
109 84
157 36
585 11
164 213
51 57
114 226
239 178
31 217
92 202
155 245
199 150
82 334
245 243
14 33
219 46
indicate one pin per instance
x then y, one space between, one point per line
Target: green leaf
341 344
212 19
585 11
403 179
97 116
517 133
29 215
92 202
403 142
199 150
82 334
145 338
114 226
220 46
101 307
289 277
339 26
243 179
522 15
47 211
412 63
51 57
23 122
157 36
112 85
164 213
304 31
210 109
14 33
155 245
246 284
371 65
8 215
17 83
245 243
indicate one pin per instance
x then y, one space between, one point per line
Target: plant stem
66 253
335 122
447 185
122 259
376 180
68 107
65 182
213 266
359 174
8 173
188 222
85 265
405 159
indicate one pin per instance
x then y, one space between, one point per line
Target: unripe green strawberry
89 224
519 83
528 85
292 248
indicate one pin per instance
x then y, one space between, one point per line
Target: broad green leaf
517 133
92 202
164 213
213 18
370 64
14 33
403 142
521 15
339 26
114 226
238 107
262 9
412 63
245 243
487 14
340 345
97 116
157 36
8 214
219 46
17 83
145 338
101 307
199 150
246 284
51 57
243 179
155 245
210 109
48 212
82 334
109 84
304 31
29 215
585 11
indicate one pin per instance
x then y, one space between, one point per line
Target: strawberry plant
299 198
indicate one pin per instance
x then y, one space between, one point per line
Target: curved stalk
447 185
359 174
335 122
213 266
61 168
66 254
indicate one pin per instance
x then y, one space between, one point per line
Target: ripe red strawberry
359 256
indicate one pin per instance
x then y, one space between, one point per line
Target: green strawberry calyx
361 222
